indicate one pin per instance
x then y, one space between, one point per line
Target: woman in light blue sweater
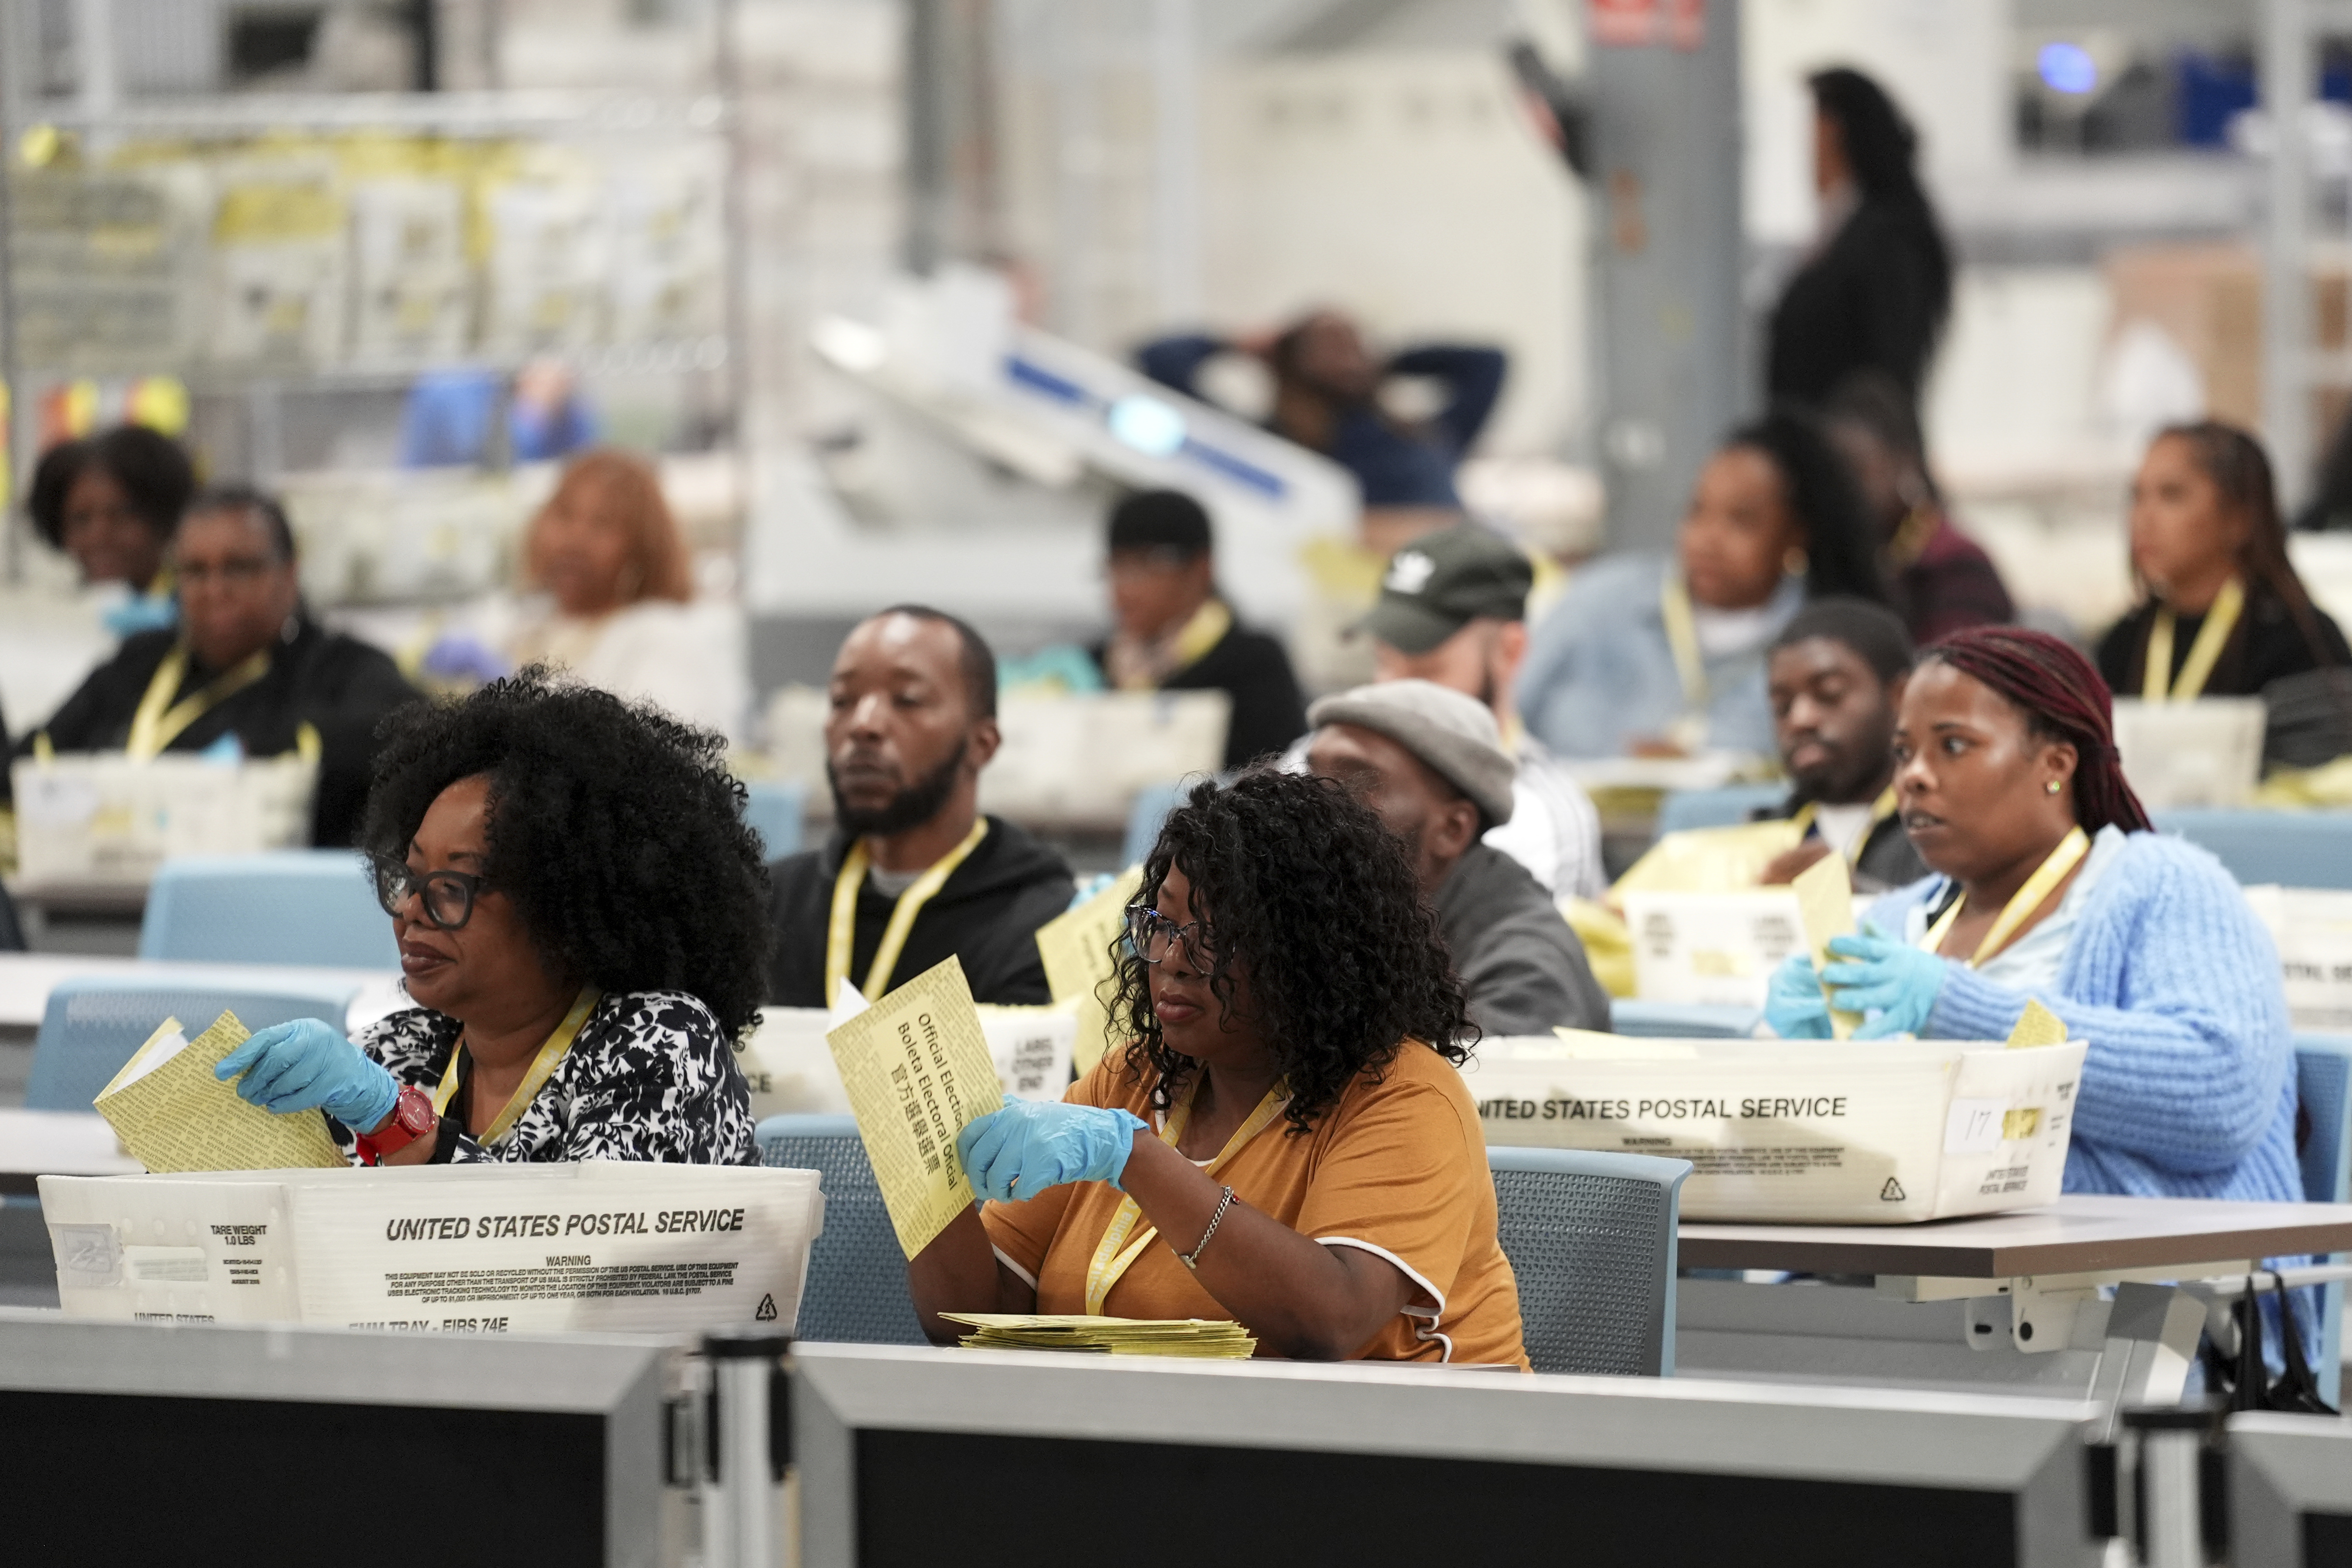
2053 887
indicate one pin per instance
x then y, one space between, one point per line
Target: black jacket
1871 300
1268 712
1887 862
1523 969
2267 644
986 914
340 686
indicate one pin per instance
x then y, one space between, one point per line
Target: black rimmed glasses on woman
1154 936
448 897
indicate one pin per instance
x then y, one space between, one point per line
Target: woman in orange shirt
1285 1142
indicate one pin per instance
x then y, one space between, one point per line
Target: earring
2053 787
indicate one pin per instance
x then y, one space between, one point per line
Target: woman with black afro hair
1286 1143
582 918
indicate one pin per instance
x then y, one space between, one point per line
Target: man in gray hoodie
1430 761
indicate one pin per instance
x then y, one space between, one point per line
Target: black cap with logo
1442 582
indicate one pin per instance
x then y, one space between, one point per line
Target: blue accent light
1148 424
2067 68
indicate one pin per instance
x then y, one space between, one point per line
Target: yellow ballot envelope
1825 902
917 1068
2037 1025
172 1115
1077 946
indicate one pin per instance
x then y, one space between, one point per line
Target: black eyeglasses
1154 936
448 895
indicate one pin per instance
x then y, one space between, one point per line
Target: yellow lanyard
1682 637
543 1067
1880 810
159 720
2158 685
841 932
1115 1254
2020 909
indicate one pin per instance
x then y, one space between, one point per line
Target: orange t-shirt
1398 1167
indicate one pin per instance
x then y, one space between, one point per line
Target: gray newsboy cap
1455 735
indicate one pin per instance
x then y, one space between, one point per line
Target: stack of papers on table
1212 1339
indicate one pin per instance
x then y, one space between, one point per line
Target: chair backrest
1591 1238
1726 807
1683 1020
777 810
2322 1065
92 1025
2295 848
1144 815
288 906
857 1290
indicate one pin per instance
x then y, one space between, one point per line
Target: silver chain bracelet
1193 1259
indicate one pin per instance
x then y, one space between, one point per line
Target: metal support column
2289 62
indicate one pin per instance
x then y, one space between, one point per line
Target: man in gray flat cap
1430 762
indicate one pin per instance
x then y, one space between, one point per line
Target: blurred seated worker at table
2049 884
912 872
578 905
110 501
1175 633
1655 656
1452 609
248 671
1836 679
1327 387
451 414
1286 1143
2222 612
618 612
1430 763
1938 579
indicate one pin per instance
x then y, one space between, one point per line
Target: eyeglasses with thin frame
448 897
1154 936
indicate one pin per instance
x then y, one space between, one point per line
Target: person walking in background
1875 291
1175 633
1659 656
111 501
1939 580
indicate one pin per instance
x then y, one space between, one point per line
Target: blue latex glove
1894 982
1028 1145
309 1066
1793 1008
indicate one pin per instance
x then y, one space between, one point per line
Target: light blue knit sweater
2188 1089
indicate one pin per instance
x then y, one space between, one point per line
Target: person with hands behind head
2051 886
1285 1142
577 904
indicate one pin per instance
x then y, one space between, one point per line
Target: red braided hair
2063 698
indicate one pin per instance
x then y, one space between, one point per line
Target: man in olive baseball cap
1452 609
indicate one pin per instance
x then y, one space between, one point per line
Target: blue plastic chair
1683 1020
92 1025
1593 1239
2294 848
2322 1065
776 810
1144 815
1725 808
314 907
857 1290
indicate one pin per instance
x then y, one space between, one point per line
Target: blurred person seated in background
912 873
1430 763
1452 609
1938 579
110 501
1326 398
1654 656
1874 293
248 672
577 904
618 612
2222 612
1317 1174
450 415
1836 679
1174 633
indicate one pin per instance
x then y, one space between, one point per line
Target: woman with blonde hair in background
619 585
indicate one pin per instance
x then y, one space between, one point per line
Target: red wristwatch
412 1117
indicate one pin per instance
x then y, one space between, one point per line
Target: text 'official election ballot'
1871 1132
917 1068
485 1248
791 1071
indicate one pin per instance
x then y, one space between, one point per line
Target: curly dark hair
1294 878
152 469
616 830
1841 540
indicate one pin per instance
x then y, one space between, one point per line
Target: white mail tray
1821 1132
488 1248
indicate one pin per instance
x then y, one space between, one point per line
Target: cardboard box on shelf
104 818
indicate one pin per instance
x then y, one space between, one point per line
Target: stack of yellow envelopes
1206 1337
